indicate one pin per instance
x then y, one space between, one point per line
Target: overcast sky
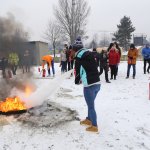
103 19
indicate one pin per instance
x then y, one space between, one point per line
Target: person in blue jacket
86 72
146 56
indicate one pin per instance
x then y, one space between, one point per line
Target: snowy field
123 111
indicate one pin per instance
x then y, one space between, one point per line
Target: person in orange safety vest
49 60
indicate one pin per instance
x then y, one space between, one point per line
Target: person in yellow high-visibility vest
13 60
49 60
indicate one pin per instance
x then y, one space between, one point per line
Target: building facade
37 50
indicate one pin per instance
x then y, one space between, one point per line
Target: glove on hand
131 57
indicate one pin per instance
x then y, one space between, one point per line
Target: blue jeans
90 95
53 69
63 66
134 70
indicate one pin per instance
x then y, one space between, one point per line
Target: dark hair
132 46
94 49
117 46
70 47
110 46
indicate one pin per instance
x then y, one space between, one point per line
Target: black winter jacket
103 59
86 68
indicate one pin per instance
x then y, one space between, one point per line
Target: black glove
131 57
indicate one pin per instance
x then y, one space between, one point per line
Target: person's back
146 56
13 58
86 72
146 52
47 58
88 66
96 56
103 58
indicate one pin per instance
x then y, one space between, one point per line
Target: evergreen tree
124 33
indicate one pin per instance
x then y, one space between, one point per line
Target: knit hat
132 46
78 44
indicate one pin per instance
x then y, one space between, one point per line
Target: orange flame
12 104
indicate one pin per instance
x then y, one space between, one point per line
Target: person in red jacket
119 51
113 61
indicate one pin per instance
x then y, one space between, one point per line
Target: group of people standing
110 58
67 58
90 65
13 60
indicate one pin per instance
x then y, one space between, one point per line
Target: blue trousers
63 66
90 95
53 69
134 70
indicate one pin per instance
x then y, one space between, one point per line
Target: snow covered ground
123 111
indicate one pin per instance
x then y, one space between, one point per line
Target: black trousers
72 64
105 68
14 69
26 68
113 70
145 62
68 65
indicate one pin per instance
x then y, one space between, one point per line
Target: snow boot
92 129
86 122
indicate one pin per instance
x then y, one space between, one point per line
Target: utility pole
73 30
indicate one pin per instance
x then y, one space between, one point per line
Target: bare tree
72 17
104 41
53 34
94 43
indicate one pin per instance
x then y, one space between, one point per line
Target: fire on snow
14 103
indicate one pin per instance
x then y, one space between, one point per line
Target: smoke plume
12 35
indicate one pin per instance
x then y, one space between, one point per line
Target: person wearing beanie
146 57
103 56
132 55
96 56
86 72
